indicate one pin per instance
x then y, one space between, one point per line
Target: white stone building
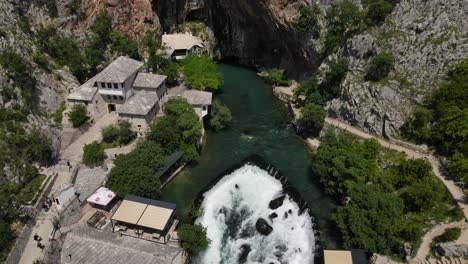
181 44
121 87
200 100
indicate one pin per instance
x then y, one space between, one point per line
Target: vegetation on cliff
443 121
389 202
78 116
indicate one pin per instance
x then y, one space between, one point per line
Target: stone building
180 45
121 87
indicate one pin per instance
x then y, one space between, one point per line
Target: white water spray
230 211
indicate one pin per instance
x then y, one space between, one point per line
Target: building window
109 97
120 97
139 125
204 108
115 97
109 85
116 86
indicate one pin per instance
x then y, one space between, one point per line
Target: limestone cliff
426 38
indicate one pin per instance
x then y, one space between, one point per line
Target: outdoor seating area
144 218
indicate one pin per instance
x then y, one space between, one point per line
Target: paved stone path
74 154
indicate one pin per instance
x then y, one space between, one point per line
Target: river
261 125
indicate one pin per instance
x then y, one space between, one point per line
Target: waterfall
231 209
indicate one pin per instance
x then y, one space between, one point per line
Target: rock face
425 38
263 227
451 249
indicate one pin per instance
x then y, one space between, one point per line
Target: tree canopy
380 67
78 115
93 154
193 237
312 119
201 72
220 116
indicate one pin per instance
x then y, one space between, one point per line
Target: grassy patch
27 193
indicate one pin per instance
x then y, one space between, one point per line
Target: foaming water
231 209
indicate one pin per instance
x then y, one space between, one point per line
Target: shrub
93 154
110 134
330 86
276 77
308 20
450 234
52 8
41 59
120 133
78 115
193 237
312 118
58 114
201 72
123 44
458 167
419 126
220 116
101 29
171 70
377 11
380 67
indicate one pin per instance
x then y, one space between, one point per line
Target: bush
93 154
220 116
123 44
312 119
42 60
58 114
308 20
377 11
78 115
458 167
166 133
52 8
101 29
276 77
449 235
380 67
118 134
419 126
193 237
171 70
201 72
330 86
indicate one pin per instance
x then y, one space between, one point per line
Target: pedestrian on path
35 236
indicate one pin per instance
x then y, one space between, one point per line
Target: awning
101 196
155 217
337 257
129 212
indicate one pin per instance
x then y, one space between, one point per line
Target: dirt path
455 191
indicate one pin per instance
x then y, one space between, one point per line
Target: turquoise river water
261 125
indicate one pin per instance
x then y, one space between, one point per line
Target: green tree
372 220
330 87
450 234
171 70
125 133
110 134
190 151
419 126
166 133
458 167
276 77
345 19
93 154
78 115
99 40
134 173
58 114
380 67
201 72
308 20
220 116
312 118
123 44
193 237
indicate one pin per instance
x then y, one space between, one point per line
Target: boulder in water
263 227
277 202
273 216
245 250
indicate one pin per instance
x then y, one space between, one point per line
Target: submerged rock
263 227
277 202
245 250
273 216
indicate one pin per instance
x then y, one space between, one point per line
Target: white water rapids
231 209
